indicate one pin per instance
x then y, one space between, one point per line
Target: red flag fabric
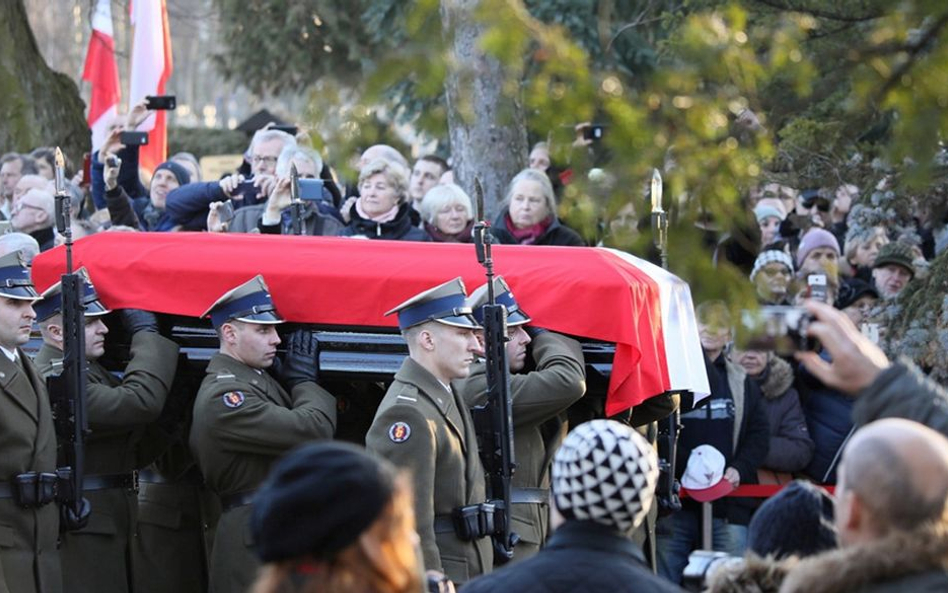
333 281
150 70
101 72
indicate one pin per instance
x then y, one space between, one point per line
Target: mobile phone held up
311 189
161 102
133 138
594 132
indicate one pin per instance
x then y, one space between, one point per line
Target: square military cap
51 301
15 281
502 296
443 303
250 302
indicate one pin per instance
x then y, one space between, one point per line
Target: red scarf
530 234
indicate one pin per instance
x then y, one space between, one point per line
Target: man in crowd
890 514
25 244
29 561
540 399
35 215
244 420
893 269
13 166
145 213
592 549
424 175
819 253
95 558
424 426
28 182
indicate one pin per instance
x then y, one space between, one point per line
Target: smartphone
161 102
817 287
291 130
226 211
133 138
245 190
594 132
311 189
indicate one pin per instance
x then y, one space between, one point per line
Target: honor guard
423 425
29 517
540 399
244 419
96 557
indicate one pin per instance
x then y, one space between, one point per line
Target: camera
245 190
161 102
778 328
594 132
701 565
311 190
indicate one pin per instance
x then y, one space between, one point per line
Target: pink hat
814 238
704 475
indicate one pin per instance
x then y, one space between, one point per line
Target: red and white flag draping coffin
590 292
150 70
101 72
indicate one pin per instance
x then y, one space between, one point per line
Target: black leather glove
136 320
301 362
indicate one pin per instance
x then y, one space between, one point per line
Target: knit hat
765 211
771 255
897 253
604 472
813 239
798 520
853 289
318 500
179 172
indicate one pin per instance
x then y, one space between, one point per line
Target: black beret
853 289
318 500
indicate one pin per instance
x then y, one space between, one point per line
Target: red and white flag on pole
150 70
101 71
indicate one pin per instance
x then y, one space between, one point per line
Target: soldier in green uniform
96 557
29 560
423 425
244 420
540 398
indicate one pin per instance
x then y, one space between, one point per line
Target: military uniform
29 560
423 425
244 420
97 557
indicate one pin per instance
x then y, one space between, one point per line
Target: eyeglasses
21 205
771 272
821 204
269 160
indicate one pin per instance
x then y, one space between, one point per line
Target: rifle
296 204
493 421
67 391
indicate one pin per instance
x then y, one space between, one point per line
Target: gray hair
267 135
389 153
440 196
290 153
395 174
538 177
21 242
46 201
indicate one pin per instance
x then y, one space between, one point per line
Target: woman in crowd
382 209
529 216
447 214
772 273
332 518
860 252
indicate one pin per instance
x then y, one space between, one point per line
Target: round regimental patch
234 399
399 432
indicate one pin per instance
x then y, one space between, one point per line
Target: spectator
189 162
12 167
861 250
447 214
35 215
819 252
425 175
813 207
592 550
309 542
893 269
784 194
25 244
382 211
857 299
803 286
128 174
147 214
28 182
528 215
539 158
771 276
828 413
769 219
45 160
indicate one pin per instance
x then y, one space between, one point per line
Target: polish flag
150 70
102 73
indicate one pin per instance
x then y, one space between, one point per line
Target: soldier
423 425
244 420
540 399
29 560
96 557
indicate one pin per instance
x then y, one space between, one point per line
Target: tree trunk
486 124
38 107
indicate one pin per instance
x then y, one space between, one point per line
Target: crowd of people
205 487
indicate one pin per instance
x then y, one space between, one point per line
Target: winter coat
399 229
751 574
555 234
128 177
902 391
138 213
829 417
581 556
902 562
188 205
249 220
791 447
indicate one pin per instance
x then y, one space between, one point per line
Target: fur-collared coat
790 444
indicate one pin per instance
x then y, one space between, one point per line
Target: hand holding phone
134 138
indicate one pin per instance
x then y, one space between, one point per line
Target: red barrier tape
761 490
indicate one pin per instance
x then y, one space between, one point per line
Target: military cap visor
443 304
250 302
515 315
15 282
51 301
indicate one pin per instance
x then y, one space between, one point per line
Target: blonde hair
395 174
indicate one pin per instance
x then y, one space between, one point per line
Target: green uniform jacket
423 427
243 422
539 398
29 560
96 557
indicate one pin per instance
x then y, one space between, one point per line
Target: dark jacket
555 234
250 220
188 205
580 556
828 415
45 237
399 229
902 391
128 177
752 574
790 444
138 213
